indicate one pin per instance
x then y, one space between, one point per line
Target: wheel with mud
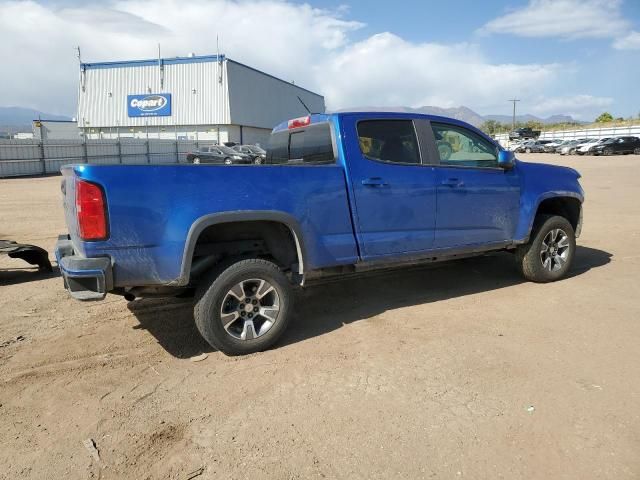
548 255
243 307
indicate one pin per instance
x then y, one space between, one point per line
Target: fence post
119 150
84 149
42 158
177 152
148 156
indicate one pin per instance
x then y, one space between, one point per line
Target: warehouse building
55 129
210 98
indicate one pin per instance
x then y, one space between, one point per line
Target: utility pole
514 100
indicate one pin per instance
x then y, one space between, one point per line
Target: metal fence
35 157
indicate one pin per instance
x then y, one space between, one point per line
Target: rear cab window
391 141
312 144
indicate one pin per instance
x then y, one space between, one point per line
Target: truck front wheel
548 255
244 307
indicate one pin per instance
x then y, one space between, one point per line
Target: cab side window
389 141
458 146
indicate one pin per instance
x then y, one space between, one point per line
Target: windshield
228 150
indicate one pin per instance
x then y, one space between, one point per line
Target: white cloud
569 19
581 107
629 42
294 41
387 70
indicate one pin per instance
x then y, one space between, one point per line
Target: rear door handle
374 182
453 182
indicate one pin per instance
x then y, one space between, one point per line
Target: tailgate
68 188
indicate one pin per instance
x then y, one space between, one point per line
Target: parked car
570 147
551 146
587 147
256 153
340 193
619 145
530 146
524 133
218 154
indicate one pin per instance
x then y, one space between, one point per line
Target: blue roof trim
152 62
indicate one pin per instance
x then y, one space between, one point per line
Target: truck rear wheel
548 255
244 307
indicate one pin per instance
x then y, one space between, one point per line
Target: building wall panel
197 95
257 99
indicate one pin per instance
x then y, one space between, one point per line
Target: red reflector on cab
300 122
90 206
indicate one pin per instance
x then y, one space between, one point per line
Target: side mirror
506 159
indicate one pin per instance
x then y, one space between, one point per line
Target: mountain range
467 115
15 119
18 119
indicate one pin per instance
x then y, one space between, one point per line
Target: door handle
374 182
453 182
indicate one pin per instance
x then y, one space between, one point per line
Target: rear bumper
84 278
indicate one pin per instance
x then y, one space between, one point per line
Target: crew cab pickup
338 194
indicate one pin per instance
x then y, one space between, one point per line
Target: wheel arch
564 204
218 219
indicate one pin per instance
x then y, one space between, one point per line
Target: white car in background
569 148
588 146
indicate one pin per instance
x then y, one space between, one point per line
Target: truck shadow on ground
329 306
14 276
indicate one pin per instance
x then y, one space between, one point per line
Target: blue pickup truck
338 194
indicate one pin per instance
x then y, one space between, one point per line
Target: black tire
227 161
527 150
636 151
607 151
215 290
257 160
530 256
196 160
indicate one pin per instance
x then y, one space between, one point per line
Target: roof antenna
82 69
219 60
305 106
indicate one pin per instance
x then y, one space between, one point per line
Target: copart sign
151 105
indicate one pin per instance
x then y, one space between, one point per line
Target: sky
573 57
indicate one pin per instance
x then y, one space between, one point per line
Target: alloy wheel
250 309
554 251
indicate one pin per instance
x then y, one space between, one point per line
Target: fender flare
546 196
239 216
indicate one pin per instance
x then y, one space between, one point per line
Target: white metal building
55 129
192 98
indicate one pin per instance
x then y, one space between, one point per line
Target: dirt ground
455 371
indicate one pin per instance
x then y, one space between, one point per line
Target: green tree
534 125
604 118
490 126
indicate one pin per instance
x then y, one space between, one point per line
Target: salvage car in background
551 146
588 147
570 147
530 146
218 154
619 145
524 133
256 153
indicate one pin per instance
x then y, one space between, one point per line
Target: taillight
91 208
299 122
